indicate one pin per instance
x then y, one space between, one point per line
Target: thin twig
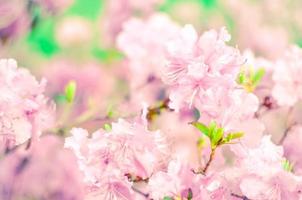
240 196
204 170
289 127
286 133
209 161
146 195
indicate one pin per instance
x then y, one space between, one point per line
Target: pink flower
145 51
293 149
13 24
24 110
55 5
196 65
119 11
143 42
260 175
175 182
287 77
73 32
107 157
178 181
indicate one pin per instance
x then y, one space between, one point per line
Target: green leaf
107 127
201 127
241 78
258 76
167 198
212 129
70 90
233 136
201 142
217 136
287 166
237 135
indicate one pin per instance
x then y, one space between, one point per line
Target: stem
204 170
289 127
209 161
146 195
240 196
286 133
156 110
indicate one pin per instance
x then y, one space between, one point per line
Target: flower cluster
287 90
112 160
198 66
24 110
178 116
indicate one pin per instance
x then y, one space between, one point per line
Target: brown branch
286 133
240 196
289 127
146 195
156 110
209 161
206 167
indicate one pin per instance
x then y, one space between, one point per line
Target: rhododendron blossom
107 159
287 78
198 65
140 105
261 173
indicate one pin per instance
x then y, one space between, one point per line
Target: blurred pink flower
23 107
293 149
90 79
145 49
119 11
13 24
54 5
259 35
287 78
145 52
74 31
44 172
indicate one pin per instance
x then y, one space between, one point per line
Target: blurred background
37 31
65 40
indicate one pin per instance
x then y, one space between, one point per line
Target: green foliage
167 198
249 78
258 76
201 127
209 3
89 9
107 127
215 134
106 55
232 136
41 38
70 91
287 166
